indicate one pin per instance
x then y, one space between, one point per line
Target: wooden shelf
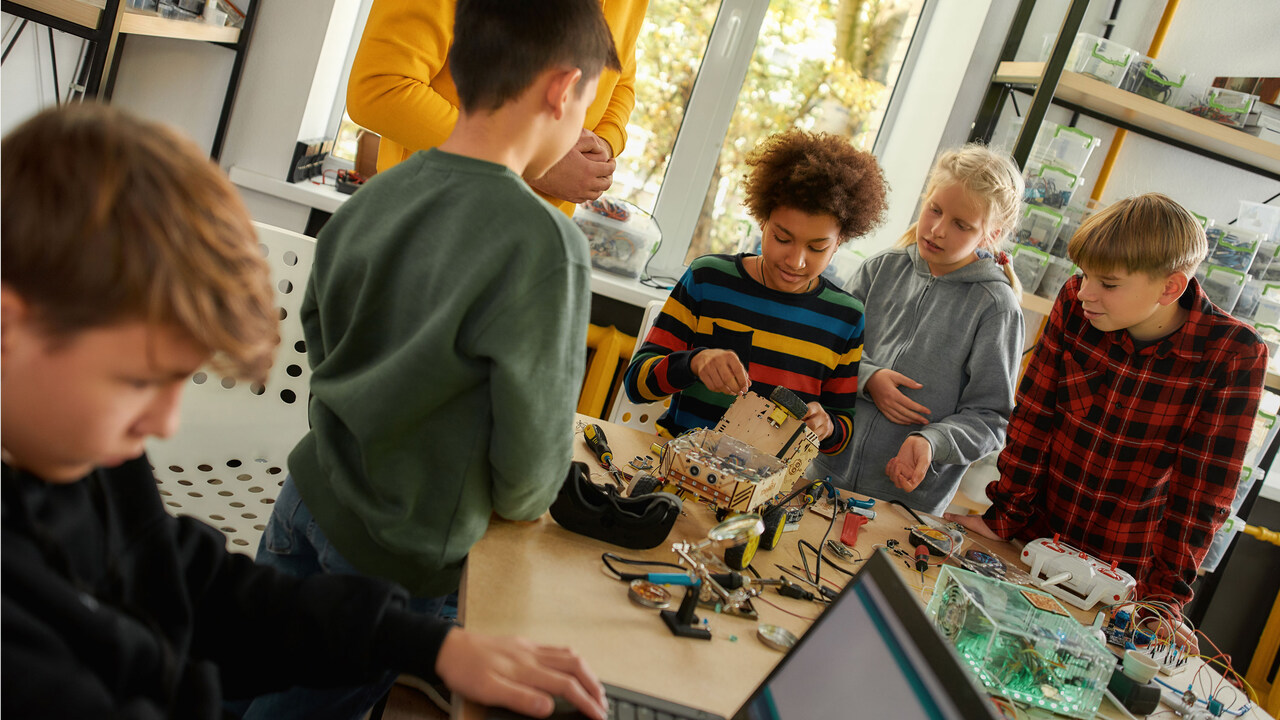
1150 115
151 24
81 12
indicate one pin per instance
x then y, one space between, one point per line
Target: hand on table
518 674
583 174
818 421
974 524
907 470
883 385
721 371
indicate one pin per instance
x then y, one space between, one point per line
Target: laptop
872 653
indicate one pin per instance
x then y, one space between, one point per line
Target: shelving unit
1147 117
106 24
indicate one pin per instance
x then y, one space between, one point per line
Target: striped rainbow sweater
809 343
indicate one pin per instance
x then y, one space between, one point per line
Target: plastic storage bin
621 235
1051 186
1061 146
1268 312
1228 107
1156 80
1260 218
1223 285
1056 274
1235 247
1039 227
1100 58
1249 300
1029 265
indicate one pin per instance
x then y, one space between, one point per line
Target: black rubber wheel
775 521
645 484
739 557
722 514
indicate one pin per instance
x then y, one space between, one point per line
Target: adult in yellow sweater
401 88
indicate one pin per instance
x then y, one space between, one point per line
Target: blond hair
1146 233
107 218
992 179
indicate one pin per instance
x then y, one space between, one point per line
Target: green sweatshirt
445 323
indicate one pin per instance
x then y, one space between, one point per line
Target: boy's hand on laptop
517 674
581 175
891 402
721 371
907 470
818 421
973 523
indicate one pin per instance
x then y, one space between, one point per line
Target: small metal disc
650 595
776 637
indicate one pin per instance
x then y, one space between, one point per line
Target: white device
1074 575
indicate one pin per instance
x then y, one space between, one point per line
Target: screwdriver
599 446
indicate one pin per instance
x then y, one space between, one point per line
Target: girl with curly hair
753 322
943 335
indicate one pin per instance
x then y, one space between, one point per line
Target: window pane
669 52
819 65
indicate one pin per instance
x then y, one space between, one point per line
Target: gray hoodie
959 335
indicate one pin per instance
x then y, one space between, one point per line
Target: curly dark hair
816 173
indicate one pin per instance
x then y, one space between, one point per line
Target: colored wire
764 600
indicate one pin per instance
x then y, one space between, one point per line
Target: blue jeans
293 543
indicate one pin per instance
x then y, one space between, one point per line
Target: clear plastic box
1039 227
621 235
1262 218
1223 285
1236 247
1062 146
1249 300
1056 274
1029 265
1221 105
1156 80
1100 58
1260 268
1268 311
1051 186
1021 643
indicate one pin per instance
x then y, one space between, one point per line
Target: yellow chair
1264 657
609 349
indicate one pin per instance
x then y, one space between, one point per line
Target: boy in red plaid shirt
1134 413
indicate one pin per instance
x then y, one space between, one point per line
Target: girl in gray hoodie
943 337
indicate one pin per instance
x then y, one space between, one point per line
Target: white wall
26 82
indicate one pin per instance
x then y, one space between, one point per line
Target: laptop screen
872 653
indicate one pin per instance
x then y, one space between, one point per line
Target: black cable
606 557
53 59
908 509
817 564
16 34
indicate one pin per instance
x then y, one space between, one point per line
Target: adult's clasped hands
583 174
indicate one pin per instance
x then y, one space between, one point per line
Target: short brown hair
107 218
501 46
1146 233
816 173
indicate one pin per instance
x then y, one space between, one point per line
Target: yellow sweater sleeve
400 86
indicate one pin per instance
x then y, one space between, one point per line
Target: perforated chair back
641 416
226 462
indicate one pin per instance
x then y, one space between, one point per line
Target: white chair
641 416
226 462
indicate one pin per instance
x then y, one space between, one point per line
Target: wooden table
542 582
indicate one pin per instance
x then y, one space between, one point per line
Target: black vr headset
637 523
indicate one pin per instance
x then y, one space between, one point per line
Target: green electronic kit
1021 643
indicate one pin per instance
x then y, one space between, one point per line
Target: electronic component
1075 576
1021 643
1138 698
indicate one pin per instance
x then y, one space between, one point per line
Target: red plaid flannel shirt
1131 456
